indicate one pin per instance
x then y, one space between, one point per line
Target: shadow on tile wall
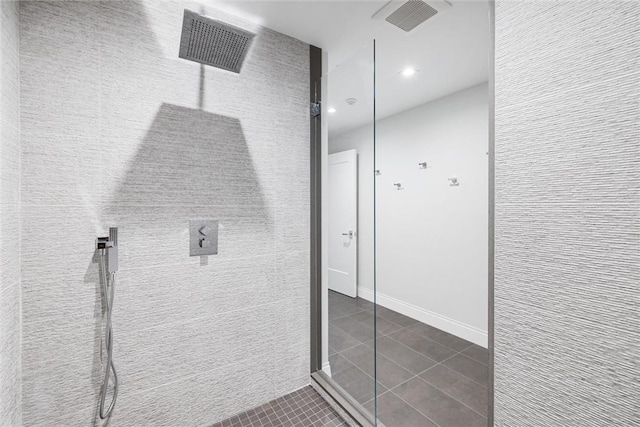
190 162
192 157
111 138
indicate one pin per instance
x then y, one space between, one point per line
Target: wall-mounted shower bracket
422 165
103 243
453 182
110 244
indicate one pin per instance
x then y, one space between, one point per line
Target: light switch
203 237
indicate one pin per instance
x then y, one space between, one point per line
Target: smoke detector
408 15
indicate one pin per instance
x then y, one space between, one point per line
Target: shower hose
109 293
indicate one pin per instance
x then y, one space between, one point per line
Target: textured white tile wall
567 261
113 135
10 318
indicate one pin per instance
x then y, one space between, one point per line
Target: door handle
350 234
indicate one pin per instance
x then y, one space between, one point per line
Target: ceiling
450 52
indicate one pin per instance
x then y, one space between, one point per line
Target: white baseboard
459 329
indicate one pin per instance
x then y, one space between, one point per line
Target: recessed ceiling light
408 72
331 110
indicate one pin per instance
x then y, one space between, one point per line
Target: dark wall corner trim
315 77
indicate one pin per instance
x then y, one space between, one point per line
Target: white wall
567 214
10 320
113 133
431 237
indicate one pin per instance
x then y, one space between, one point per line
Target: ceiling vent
214 43
410 14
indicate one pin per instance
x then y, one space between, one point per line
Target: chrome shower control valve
203 237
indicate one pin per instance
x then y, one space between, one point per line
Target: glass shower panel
348 139
431 217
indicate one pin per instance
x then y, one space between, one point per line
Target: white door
342 206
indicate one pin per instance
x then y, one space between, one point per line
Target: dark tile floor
426 377
302 408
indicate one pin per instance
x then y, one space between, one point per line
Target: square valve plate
203 237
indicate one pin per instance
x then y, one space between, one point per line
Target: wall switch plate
203 237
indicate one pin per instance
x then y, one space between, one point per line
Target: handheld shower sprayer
108 247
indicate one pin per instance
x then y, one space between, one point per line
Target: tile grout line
387 335
421 372
415 409
405 346
400 327
438 388
375 380
434 341
367 343
301 405
457 352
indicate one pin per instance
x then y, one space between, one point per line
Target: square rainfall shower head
214 43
